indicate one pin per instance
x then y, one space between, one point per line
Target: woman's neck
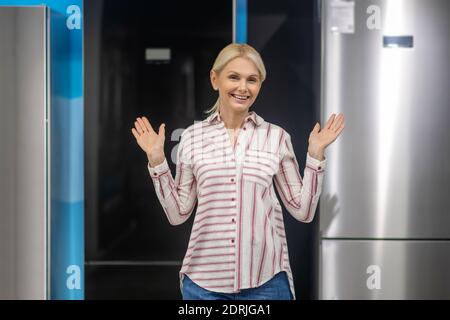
232 120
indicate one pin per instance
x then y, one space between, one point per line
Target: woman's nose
243 85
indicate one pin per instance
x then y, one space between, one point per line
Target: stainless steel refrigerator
24 152
385 204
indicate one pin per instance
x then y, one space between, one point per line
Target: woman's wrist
316 153
155 160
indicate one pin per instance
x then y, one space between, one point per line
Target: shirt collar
252 116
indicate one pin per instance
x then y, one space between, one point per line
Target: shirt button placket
235 241
233 220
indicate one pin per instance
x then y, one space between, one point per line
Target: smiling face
238 84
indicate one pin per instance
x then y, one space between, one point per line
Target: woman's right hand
151 142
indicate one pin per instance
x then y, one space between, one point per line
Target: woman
229 163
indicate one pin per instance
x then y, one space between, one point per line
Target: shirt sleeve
300 196
177 196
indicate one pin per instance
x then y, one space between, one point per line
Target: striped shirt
238 238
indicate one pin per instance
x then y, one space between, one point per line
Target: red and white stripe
238 238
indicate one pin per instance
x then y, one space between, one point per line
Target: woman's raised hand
151 142
320 139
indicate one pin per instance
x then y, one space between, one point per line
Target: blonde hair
233 51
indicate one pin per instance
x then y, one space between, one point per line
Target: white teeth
240 97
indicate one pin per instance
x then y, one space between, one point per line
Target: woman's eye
252 80
233 77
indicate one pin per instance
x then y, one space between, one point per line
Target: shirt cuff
159 169
315 164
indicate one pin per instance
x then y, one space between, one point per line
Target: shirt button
232 220
245 128
232 240
232 179
155 174
319 168
232 199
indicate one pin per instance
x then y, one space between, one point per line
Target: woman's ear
213 77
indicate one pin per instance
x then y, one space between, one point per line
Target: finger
148 125
316 127
138 127
135 133
162 130
330 121
143 126
337 122
341 122
341 128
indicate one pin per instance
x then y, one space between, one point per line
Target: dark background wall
131 249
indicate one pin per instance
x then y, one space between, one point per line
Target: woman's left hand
320 139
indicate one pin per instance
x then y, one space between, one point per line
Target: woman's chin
240 107
237 107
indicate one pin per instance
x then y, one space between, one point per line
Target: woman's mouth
239 98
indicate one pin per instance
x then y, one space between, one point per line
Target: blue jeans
276 288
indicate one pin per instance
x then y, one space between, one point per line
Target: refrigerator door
24 153
388 175
384 269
